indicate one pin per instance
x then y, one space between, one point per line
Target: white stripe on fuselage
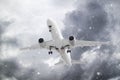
57 37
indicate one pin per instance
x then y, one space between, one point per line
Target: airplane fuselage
57 38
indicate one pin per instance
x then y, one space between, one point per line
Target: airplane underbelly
66 57
56 35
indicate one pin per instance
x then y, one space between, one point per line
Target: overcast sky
23 22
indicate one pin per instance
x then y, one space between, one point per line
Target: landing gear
50 30
50 52
68 51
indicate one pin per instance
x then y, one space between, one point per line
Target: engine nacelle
41 40
72 40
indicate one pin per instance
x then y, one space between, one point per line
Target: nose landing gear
50 52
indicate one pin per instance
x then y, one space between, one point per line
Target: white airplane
61 45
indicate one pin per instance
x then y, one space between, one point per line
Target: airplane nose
49 22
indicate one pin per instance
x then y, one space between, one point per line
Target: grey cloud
107 71
4 40
93 16
93 22
8 68
3 26
88 22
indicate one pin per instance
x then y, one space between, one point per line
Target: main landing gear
50 52
68 51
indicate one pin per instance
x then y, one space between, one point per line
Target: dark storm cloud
90 22
8 68
12 70
87 22
107 71
3 25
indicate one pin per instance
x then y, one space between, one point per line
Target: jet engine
72 40
41 40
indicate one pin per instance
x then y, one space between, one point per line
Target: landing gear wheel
50 30
50 52
68 51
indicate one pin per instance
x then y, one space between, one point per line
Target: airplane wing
43 45
35 46
82 43
88 43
